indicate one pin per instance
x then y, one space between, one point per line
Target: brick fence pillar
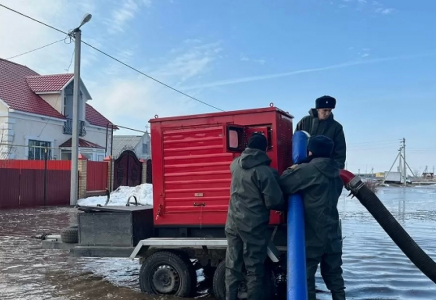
144 171
110 175
83 169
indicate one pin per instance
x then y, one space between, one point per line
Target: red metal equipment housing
191 159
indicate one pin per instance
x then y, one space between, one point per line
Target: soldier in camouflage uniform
317 180
320 121
254 191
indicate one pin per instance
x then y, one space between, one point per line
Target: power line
71 62
34 49
152 78
373 142
366 149
124 127
26 16
117 60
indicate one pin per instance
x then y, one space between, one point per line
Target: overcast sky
378 58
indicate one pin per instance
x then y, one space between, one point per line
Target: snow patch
143 193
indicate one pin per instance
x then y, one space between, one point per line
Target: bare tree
372 185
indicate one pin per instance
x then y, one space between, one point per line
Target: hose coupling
355 185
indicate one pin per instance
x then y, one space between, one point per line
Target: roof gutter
45 93
36 115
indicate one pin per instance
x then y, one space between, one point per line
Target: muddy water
374 268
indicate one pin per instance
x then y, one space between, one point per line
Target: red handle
346 176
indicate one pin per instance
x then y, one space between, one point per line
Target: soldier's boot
331 271
338 295
311 266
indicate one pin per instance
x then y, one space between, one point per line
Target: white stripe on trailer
272 250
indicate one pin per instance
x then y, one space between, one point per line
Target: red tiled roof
18 85
95 118
48 83
15 92
82 143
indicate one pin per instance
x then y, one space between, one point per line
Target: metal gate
127 169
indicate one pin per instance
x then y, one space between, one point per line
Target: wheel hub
166 280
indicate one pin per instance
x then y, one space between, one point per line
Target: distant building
380 175
140 144
393 177
367 175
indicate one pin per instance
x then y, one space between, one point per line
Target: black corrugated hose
396 232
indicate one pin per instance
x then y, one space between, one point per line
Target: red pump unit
191 159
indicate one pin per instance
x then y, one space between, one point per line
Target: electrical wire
71 62
124 127
117 60
26 16
152 78
9 58
373 142
351 146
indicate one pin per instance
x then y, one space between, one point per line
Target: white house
36 112
140 144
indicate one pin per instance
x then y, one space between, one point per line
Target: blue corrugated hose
296 280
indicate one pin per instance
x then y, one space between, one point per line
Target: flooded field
374 268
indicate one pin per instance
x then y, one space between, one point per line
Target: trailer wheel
219 286
70 235
166 272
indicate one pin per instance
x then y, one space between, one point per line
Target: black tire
70 235
169 273
218 283
219 286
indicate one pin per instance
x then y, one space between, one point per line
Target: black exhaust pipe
382 215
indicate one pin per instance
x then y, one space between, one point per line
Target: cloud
192 41
121 94
365 52
15 37
365 5
190 61
292 73
381 8
121 15
247 59
260 61
129 99
384 11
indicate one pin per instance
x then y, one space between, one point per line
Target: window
235 137
38 149
66 155
144 148
65 106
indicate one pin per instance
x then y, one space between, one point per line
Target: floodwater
374 268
